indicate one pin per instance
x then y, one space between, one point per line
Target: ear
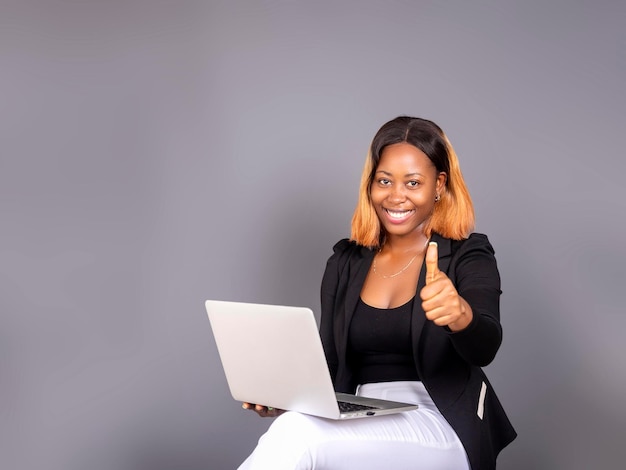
442 178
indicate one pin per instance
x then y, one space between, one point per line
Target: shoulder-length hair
453 216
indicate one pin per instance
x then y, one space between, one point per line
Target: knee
297 430
289 443
296 425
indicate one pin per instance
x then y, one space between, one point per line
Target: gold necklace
396 274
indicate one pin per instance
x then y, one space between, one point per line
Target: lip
398 216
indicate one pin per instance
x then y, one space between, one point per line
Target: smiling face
404 188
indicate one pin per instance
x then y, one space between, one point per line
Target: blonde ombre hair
453 216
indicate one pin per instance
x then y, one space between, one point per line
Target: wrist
465 319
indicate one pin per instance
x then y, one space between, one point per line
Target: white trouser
418 439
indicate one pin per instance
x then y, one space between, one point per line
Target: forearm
480 340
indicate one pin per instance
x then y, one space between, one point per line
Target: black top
380 348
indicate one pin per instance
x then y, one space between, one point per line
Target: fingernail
432 243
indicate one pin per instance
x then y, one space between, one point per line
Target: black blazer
448 363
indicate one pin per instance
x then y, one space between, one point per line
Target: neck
403 244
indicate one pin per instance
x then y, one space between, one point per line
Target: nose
397 193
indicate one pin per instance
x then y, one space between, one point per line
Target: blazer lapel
354 274
444 246
359 267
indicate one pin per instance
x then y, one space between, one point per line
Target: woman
410 312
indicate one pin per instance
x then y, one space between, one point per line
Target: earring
437 198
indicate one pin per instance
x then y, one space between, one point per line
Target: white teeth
397 215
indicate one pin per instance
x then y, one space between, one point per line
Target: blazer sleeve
475 274
330 283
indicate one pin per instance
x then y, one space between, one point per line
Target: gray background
158 153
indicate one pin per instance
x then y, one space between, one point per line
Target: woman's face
404 189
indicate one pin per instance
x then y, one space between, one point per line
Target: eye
413 184
384 182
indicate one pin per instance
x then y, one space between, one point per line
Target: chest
392 289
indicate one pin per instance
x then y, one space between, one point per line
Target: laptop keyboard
346 407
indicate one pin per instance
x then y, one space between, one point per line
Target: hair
453 216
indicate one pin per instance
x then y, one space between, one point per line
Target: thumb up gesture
441 302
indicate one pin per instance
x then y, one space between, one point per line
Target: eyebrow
407 175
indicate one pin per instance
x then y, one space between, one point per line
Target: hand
441 302
263 411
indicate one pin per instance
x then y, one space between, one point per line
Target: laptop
272 355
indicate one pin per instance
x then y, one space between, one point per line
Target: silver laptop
272 355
